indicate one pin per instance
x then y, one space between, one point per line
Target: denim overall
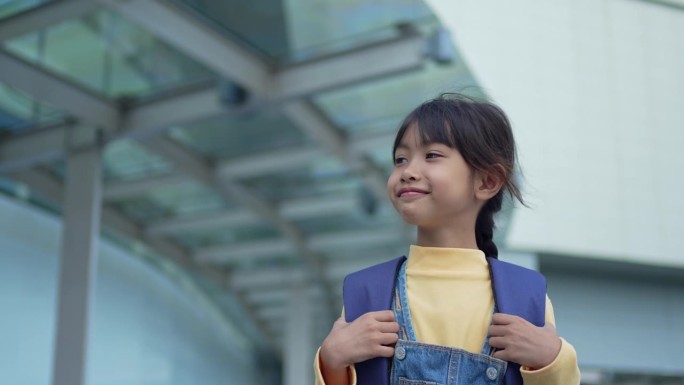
417 363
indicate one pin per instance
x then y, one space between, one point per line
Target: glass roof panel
19 112
321 177
233 136
127 159
260 25
380 106
12 7
296 30
170 201
317 27
221 236
110 55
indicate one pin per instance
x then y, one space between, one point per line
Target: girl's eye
399 160
432 155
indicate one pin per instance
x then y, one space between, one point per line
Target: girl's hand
521 342
369 336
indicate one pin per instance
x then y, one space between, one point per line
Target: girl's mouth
411 192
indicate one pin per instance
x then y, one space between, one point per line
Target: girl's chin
415 219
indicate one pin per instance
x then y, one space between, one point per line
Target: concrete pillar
80 234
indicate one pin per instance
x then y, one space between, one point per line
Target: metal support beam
204 44
120 190
200 170
57 92
185 108
249 251
80 235
375 61
43 16
195 223
268 162
354 238
315 123
277 278
295 209
268 297
24 151
292 83
265 278
236 192
196 39
279 247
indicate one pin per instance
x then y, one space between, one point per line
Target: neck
463 237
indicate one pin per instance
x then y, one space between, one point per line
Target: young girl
451 313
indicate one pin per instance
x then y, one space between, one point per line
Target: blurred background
185 183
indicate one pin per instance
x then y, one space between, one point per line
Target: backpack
517 291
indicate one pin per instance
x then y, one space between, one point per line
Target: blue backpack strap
371 289
521 292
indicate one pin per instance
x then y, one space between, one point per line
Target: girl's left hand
519 341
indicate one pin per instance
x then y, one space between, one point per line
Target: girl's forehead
415 136
412 134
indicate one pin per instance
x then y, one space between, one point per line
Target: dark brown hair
481 133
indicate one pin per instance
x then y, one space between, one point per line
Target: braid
484 226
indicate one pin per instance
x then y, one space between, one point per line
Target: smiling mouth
411 193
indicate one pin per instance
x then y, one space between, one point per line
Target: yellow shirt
445 283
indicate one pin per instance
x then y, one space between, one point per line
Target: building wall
145 329
594 90
618 323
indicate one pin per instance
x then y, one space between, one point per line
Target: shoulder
370 289
519 291
513 271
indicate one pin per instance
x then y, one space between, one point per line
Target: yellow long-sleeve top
442 285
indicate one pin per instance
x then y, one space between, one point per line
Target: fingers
384 351
388 339
502 355
383 315
497 342
504 319
497 330
388 327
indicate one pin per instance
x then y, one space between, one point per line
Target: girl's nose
409 173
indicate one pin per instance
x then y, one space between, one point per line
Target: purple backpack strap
371 289
521 292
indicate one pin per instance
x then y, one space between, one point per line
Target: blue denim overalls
417 363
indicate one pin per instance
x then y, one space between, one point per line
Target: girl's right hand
369 336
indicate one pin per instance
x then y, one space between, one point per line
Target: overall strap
371 289
521 292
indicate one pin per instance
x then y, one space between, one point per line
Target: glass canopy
316 186
295 30
109 55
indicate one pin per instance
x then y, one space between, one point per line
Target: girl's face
431 185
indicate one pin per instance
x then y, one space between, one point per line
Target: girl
450 314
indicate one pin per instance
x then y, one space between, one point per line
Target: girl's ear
487 184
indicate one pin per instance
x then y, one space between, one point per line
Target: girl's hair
481 133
